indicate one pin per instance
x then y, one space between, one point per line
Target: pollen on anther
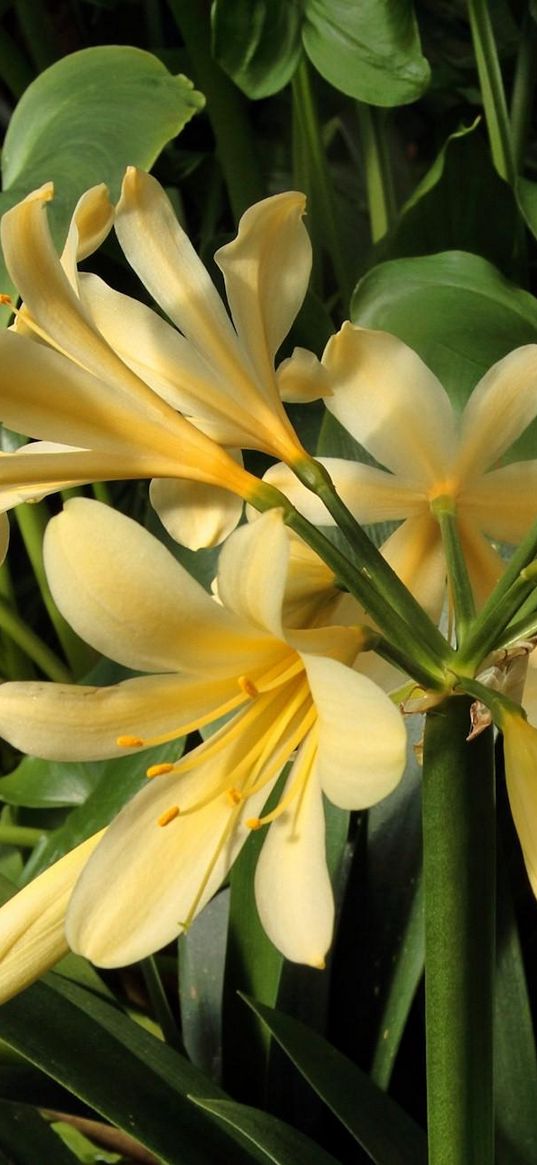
234 796
254 823
158 770
248 687
129 742
169 815
6 299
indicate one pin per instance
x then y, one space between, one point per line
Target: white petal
362 738
124 593
292 887
90 224
390 402
302 378
32 937
504 503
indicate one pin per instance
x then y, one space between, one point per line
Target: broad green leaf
278 1143
117 781
124 1073
369 50
257 42
457 311
40 784
383 1129
84 120
26 1138
526 193
202 951
446 210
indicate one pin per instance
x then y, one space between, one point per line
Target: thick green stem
322 194
226 108
492 90
459 881
378 175
20 835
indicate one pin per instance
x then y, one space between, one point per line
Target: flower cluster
277 668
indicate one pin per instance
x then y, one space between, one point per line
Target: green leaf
84 1150
202 952
383 1129
84 120
277 1142
458 312
369 50
26 1138
116 782
445 210
124 1073
40 784
257 42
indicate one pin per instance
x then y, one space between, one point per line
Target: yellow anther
6 299
234 796
169 815
254 823
158 770
129 742
248 687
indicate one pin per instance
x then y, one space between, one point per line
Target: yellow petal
66 722
292 887
504 502
416 554
362 738
193 513
124 593
483 563
501 406
520 746
32 937
386 397
252 571
371 494
4 536
145 881
302 378
266 270
90 224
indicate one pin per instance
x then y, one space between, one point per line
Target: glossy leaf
457 311
124 1073
26 1138
369 50
383 1129
278 1143
257 42
202 952
84 120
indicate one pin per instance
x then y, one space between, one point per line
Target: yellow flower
291 693
394 406
520 750
113 382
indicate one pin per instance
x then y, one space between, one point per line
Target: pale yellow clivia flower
392 404
120 392
294 695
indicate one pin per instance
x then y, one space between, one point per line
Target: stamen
130 742
7 300
248 687
159 770
169 815
254 823
234 796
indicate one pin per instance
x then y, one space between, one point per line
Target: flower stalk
459 879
